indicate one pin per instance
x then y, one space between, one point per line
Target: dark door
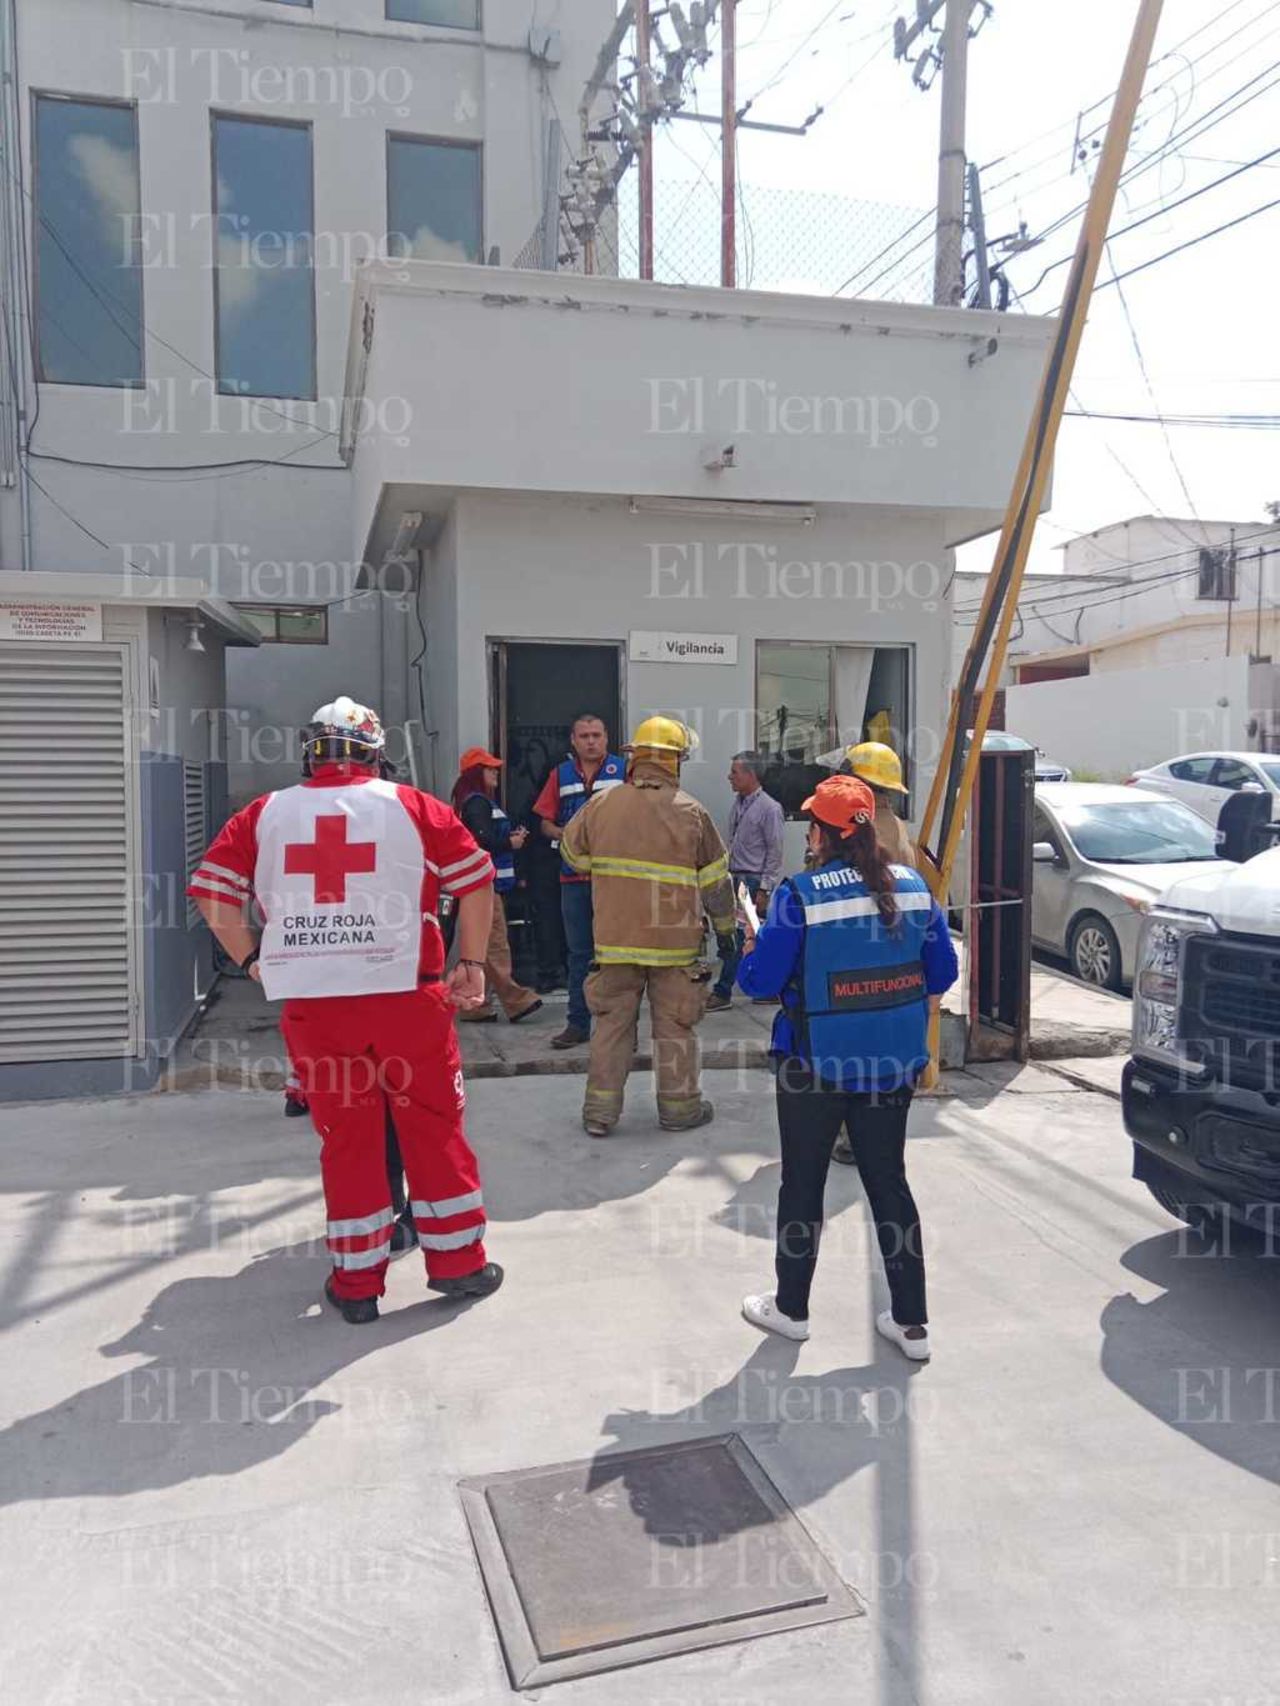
539 689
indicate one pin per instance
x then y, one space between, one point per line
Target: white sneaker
916 1349
764 1312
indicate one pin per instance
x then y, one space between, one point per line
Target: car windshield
1146 832
1272 772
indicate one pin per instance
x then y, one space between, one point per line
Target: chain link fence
796 241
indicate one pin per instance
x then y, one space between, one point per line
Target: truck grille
1231 1010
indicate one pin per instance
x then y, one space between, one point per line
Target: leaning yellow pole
954 792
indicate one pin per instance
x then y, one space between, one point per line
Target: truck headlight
1157 988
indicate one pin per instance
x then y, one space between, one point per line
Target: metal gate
66 805
1000 938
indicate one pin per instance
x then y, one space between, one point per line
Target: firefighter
655 860
347 869
881 769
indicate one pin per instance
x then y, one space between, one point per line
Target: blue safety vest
504 860
862 1011
573 792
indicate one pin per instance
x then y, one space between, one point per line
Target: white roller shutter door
66 805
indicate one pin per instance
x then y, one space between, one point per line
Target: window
1231 773
289 624
1147 832
88 276
814 700
264 283
1192 769
1217 575
1043 830
433 200
453 14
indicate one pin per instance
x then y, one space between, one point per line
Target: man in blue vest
588 768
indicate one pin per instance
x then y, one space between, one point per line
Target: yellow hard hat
664 734
876 763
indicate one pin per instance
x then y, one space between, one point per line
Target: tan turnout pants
676 1004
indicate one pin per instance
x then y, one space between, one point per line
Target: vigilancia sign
648 647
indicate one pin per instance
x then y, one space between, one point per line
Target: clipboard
747 908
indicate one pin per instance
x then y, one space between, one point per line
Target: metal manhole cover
638 1555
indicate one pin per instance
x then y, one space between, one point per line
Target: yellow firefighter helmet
877 764
664 734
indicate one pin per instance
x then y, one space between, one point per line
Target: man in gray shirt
755 854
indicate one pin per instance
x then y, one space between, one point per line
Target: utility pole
978 225
1231 586
644 98
729 145
948 266
951 60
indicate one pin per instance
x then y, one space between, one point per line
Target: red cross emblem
330 858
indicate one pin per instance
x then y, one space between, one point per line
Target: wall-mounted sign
59 622
645 647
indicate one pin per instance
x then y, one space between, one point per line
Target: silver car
1102 856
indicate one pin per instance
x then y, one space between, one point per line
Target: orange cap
843 802
476 755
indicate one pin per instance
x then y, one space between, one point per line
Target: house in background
1160 637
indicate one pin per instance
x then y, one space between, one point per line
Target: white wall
1127 719
580 568
512 381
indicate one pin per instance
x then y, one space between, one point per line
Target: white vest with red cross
339 879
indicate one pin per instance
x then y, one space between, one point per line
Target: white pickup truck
1202 1089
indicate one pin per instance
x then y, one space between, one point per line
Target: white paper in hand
747 909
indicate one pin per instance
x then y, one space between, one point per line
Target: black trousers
810 1115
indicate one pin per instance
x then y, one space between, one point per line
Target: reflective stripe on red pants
355 1056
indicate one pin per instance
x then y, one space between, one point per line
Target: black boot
482 1283
357 1310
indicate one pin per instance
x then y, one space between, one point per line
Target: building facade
197 185
1159 637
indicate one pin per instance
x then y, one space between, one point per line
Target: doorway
538 687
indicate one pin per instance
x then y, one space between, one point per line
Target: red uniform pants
357 1056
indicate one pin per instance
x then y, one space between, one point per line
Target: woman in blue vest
475 801
859 952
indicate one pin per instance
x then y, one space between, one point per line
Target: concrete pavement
214 1490
237 1042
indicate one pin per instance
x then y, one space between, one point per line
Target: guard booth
998 934
112 779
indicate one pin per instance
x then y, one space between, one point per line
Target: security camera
717 458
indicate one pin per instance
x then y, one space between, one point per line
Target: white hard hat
344 720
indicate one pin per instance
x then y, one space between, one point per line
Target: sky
1204 321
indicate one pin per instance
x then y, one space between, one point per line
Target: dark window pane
90 283
264 620
433 201
265 282
456 14
303 627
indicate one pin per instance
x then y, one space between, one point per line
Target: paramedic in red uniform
347 870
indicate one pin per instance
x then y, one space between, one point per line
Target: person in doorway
475 801
655 861
542 866
755 855
860 952
347 869
588 769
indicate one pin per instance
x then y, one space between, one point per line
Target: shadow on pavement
1204 1357
232 1362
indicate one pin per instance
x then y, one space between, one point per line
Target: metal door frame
496 658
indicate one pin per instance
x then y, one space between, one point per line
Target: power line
1237 422
1192 243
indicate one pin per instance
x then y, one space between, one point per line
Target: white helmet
344 729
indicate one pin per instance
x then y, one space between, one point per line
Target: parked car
996 740
1102 857
1207 780
1200 1090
